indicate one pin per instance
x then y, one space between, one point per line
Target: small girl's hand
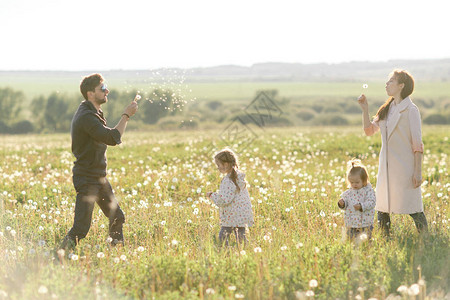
208 194
358 207
341 203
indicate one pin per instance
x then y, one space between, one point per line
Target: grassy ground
295 176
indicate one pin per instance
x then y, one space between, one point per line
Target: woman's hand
362 101
417 179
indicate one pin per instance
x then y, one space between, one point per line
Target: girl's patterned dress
359 221
235 208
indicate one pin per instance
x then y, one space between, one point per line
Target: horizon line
227 65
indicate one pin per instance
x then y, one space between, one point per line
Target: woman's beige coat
401 136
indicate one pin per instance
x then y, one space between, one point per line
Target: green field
295 176
225 91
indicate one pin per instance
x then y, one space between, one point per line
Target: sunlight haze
102 35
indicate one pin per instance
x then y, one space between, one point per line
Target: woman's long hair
228 156
401 76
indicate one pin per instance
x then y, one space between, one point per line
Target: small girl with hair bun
358 201
233 200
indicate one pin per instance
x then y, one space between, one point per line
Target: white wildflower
402 289
42 289
313 283
414 290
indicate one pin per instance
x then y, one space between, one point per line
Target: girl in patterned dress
358 201
233 200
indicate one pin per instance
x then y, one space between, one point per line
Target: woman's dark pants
384 221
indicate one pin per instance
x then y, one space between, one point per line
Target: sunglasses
104 87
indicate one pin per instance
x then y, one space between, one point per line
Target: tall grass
295 178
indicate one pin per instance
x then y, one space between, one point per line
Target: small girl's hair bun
355 167
354 163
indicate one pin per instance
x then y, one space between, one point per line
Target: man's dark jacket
90 137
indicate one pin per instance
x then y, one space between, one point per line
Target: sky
108 35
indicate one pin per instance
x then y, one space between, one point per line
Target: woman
400 164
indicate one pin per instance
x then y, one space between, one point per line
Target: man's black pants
91 190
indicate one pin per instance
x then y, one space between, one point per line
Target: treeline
167 110
54 113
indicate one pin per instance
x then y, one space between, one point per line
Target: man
90 137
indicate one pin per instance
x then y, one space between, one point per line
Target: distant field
225 91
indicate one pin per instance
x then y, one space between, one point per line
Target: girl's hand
341 203
417 179
208 194
357 207
362 101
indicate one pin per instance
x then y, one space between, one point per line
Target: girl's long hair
401 76
228 156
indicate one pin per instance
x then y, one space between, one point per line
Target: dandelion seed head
402 289
61 253
309 293
43 290
267 238
313 283
414 290
363 237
